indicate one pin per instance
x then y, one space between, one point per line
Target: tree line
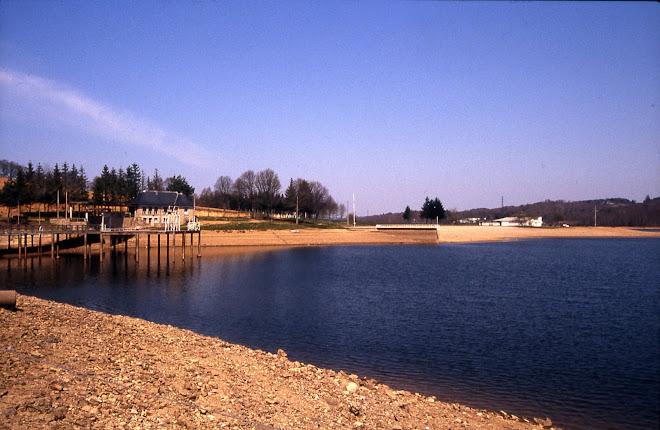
257 192
114 187
432 210
261 192
612 212
41 185
27 184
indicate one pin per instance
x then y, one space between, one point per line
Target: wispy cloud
67 106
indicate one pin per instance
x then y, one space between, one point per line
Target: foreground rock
64 367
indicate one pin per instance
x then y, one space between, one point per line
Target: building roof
508 219
161 199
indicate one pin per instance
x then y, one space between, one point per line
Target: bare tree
342 210
224 185
268 188
320 196
245 190
223 191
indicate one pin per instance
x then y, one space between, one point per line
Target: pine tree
406 214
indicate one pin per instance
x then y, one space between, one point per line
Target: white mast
353 209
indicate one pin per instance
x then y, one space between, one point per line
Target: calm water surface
562 328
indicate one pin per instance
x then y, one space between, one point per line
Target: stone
57 387
60 413
351 387
9 412
543 422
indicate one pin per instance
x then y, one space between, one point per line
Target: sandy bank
445 234
67 367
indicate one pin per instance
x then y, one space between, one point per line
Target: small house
166 209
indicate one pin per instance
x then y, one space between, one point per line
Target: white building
167 209
513 221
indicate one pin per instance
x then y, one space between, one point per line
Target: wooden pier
53 238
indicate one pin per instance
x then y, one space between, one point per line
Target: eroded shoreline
69 367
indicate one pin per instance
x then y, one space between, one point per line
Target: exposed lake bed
118 372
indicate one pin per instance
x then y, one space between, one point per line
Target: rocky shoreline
64 367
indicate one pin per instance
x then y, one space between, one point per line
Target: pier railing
46 229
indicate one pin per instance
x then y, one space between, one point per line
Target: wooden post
183 246
52 246
159 247
57 246
101 243
85 246
137 247
173 245
199 243
40 244
19 246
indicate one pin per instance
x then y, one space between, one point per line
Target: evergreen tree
156 183
432 209
406 213
179 184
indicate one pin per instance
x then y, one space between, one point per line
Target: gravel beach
64 367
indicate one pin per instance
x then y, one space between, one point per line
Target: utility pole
595 216
296 208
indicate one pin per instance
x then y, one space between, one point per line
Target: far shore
445 234
223 241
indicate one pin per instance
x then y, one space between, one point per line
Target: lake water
565 328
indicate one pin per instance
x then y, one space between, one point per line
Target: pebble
351 387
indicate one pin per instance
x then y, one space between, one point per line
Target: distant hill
613 212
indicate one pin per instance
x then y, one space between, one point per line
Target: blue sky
393 101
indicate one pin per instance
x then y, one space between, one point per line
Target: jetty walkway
407 227
39 240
